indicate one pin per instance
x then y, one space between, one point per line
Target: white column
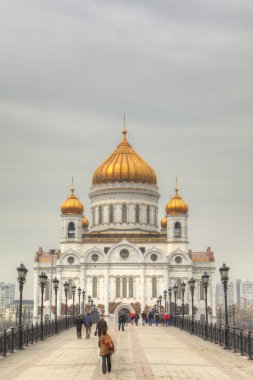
106 291
143 293
60 290
83 277
166 277
36 288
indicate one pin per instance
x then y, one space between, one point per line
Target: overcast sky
182 73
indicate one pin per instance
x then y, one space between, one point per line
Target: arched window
148 214
124 213
100 215
154 287
131 287
71 229
93 216
177 230
137 214
70 288
179 289
124 287
94 287
111 212
201 291
47 291
118 287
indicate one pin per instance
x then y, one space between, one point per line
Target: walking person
88 324
156 319
132 315
121 321
144 318
166 319
106 345
150 318
101 325
79 325
136 318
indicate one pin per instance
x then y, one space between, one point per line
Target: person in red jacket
166 318
132 316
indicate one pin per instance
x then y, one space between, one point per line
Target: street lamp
56 287
170 294
79 291
205 282
52 252
175 290
91 304
89 298
22 271
191 283
73 294
165 296
83 295
224 279
160 302
183 286
66 291
43 281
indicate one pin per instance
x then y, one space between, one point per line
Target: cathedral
124 258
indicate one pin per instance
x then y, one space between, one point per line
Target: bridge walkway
142 352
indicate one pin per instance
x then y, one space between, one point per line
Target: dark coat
79 322
87 321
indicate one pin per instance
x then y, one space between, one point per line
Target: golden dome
72 205
176 205
164 223
85 223
124 165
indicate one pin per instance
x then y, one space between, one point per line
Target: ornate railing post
4 343
241 342
249 346
12 340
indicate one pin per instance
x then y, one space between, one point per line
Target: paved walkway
141 353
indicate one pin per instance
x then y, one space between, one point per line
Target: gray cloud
181 70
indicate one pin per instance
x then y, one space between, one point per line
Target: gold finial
124 126
176 189
72 185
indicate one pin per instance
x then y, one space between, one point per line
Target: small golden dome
124 165
85 223
176 205
164 223
72 205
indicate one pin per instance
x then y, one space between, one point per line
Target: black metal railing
229 337
17 338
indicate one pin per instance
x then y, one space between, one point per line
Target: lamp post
170 294
205 282
192 288
175 290
73 295
165 297
224 279
79 291
183 286
43 282
56 287
160 303
89 299
22 271
83 295
52 252
66 291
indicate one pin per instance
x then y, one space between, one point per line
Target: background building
125 260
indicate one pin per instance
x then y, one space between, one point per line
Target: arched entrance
123 309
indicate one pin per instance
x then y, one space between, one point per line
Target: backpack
108 342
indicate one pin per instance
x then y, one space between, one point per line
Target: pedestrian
79 325
101 325
121 321
88 324
132 315
106 345
156 319
150 318
136 318
170 319
144 318
166 319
